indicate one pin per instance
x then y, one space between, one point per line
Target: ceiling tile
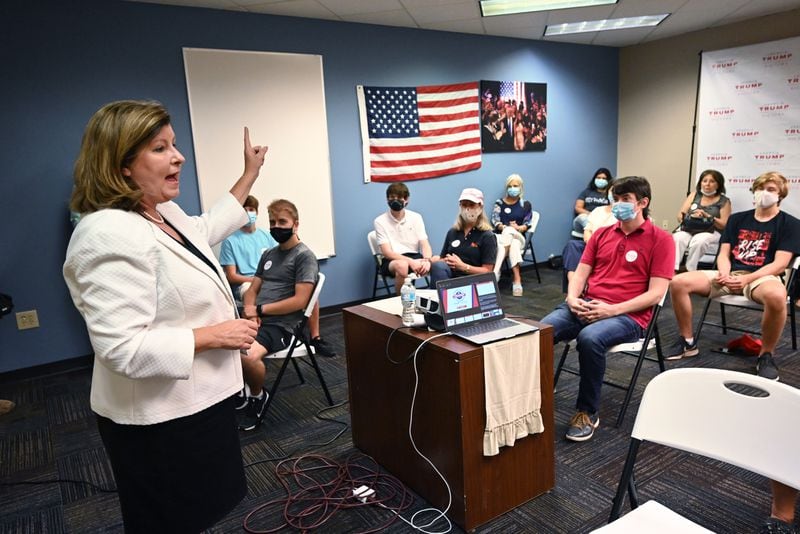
413 4
622 37
398 17
561 16
446 12
464 15
355 7
760 8
648 7
296 8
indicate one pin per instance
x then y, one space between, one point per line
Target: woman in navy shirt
470 246
595 194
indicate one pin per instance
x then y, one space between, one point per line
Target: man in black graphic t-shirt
755 249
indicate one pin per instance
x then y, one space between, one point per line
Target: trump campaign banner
412 133
749 118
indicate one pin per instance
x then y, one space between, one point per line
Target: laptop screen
468 300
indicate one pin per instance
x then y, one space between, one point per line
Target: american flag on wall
412 133
512 91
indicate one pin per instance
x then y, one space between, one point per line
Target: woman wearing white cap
511 218
470 246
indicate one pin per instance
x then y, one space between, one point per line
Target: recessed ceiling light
490 8
604 25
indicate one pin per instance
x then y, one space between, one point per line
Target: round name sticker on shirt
693 206
269 264
631 256
455 243
508 210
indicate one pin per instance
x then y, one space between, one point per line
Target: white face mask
708 193
470 214
765 199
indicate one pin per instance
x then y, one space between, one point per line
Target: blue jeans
593 339
440 271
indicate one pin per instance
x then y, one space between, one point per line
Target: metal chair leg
560 364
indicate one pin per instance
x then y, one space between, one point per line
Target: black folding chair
651 340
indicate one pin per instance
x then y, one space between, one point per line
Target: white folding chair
372 239
741 302
733 417
503 262
298 348
529 242
639 349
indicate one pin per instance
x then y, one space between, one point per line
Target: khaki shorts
718 290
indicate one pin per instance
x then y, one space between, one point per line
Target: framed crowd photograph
513 116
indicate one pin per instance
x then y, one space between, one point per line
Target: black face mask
281 235
396 205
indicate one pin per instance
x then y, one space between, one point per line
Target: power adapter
362 493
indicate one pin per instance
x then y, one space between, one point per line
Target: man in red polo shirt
625 269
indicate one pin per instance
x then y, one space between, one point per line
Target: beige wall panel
658 82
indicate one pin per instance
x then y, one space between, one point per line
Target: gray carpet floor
52 435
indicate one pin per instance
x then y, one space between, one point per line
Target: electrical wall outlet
665 224
27 319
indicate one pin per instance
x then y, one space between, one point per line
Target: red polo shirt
622 265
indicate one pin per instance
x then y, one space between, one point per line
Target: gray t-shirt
279 271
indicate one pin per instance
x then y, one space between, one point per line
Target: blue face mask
600 183
624 211
513 191
253 216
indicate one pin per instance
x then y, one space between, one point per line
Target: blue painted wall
62 60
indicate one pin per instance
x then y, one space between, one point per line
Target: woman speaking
161 319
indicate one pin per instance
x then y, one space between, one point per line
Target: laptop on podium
470 307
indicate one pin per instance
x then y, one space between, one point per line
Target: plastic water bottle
408 296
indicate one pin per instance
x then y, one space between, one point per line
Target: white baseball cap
471 194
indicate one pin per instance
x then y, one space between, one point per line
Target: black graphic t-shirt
753 243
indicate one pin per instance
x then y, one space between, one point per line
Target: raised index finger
247 144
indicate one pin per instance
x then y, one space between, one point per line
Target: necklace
153 218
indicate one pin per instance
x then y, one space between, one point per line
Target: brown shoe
6 406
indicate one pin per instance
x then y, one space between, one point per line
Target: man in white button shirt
402 238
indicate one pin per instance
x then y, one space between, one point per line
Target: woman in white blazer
161 319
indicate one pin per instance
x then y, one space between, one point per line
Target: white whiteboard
281 99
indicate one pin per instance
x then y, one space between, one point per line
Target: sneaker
766 368
681 349
322 347
516 290
240 400
6 406
253 412
582 426
773 525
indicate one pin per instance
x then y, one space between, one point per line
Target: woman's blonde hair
515 176
776 178
113 137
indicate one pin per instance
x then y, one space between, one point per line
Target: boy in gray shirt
282 286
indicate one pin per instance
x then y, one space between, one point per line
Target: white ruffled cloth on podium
513 393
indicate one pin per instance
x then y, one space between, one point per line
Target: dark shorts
385 264
272 337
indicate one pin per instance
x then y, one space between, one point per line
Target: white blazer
141 293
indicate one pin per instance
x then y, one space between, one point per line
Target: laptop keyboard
482 328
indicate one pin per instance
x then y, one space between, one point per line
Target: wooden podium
448 421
